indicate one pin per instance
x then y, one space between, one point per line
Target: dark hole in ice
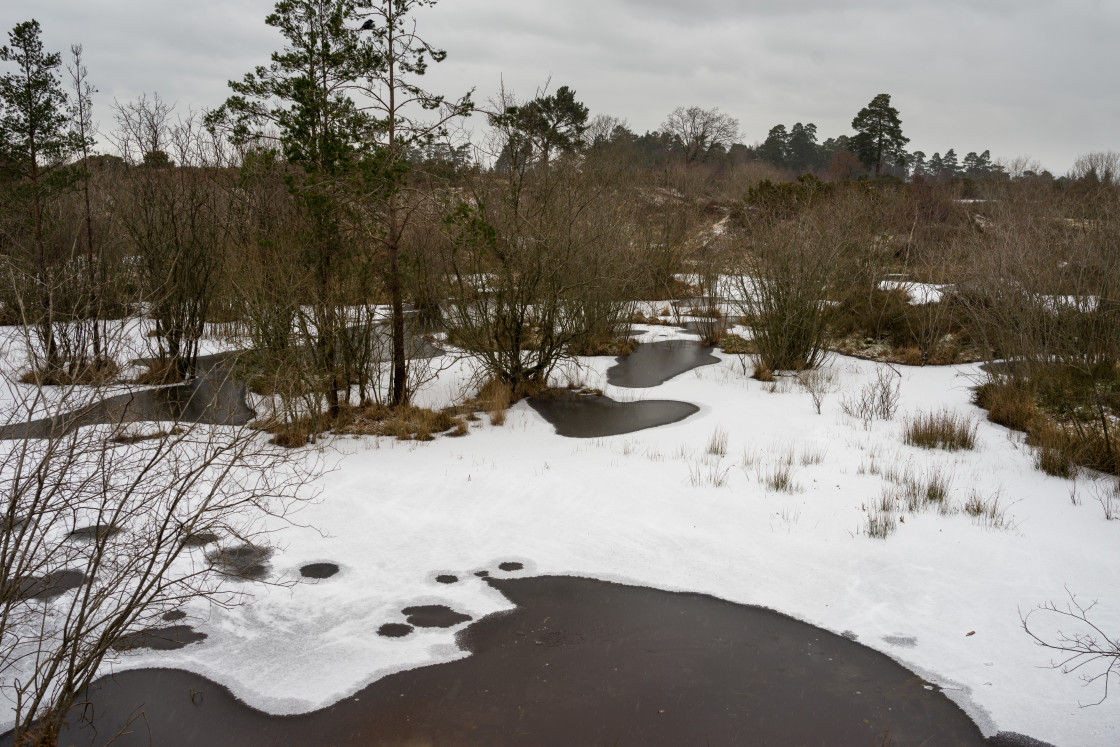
596 416
511 566
482 574
394 630
447 578
200 539
94 532
434 616
246 562
49 586
161 639
654 363
319 570
174 615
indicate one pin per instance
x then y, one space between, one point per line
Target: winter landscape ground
756 499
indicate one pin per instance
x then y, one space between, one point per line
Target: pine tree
303 103
917 164
407 116
879 140
36 147
936 166
950 169
802 148
775 149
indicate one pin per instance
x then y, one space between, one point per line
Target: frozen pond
595 416
581 661
654 363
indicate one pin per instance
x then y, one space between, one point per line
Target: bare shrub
804 245
875 400
1087 649
100 539
818 384
1108 496
941 430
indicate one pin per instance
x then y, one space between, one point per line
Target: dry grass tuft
136 436
987 512
941 430
100 372
717 444
762 373
737 345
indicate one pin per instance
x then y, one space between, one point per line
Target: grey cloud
1022 76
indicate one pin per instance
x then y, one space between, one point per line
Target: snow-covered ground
942 595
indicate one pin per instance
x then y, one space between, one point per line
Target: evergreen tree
303 105
803 151
950 169
917 164
546 124
879 140
936 166
36 146
407 115
775 149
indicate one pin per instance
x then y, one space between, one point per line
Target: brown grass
737 345
1007 405
405 423
940 430
135 438
159 373
762 373
97 373
615 347
1062 444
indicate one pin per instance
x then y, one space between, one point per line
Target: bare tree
1101 168
701 131
176 219
536 259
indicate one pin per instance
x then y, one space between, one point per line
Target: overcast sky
1018 77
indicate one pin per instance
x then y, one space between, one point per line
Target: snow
919 293
395 515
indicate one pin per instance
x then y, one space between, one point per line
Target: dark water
244 562
169 638
49 586
579 662
596 416
434 616
212 397
318 570
654 363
